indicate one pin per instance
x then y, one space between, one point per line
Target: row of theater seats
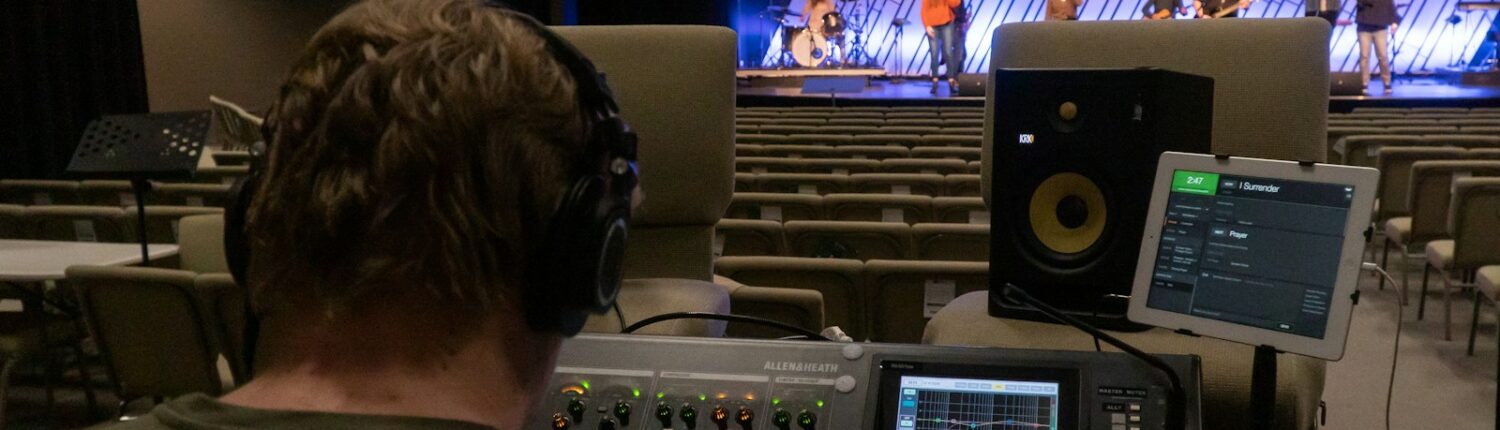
1362 149
889 208
109 224
1425 110
112 193
858 240
880 300
1441 204
925 184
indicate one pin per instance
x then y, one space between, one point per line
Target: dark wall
619 12
62 64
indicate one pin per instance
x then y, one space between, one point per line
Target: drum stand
900 24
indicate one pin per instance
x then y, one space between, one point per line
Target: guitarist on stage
1160 9
1220 8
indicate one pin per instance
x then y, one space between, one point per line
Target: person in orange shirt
937 16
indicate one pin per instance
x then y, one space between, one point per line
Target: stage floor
1408 92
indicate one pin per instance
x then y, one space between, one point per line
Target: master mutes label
1074 157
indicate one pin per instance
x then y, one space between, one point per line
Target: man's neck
493 380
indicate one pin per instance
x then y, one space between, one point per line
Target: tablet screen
1253 251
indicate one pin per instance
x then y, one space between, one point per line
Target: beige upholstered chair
951 242
1268 102
906 140
200 244
1430 196
110 193
962 185
685 123
799 151
842 166
211 195
873 152
907 209
960 210
848 239
922 184
800 308
152 329
1488 280
802 183
76 223
776 206
1393 213
946 152
1363 150
163 223
1474 224
224 175
901 293
837 280
735 237
923 165
38 192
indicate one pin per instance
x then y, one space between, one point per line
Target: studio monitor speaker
1074 157
972 84
1345 84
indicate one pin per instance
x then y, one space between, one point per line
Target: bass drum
809 49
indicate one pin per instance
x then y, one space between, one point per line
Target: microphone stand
1176 398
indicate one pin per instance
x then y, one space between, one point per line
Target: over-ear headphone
575 268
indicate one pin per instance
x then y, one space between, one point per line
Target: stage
1408 92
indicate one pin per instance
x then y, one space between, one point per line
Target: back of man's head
417 151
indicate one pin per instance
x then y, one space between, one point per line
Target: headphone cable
723 317
620 315
1390 388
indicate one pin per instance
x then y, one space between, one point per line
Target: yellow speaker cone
1068 213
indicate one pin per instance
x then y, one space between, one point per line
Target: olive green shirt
199 411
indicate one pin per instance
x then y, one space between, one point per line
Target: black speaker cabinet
1345 84
971 84
1074 157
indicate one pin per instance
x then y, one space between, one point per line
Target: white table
46 260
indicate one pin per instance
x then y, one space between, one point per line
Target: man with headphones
445 195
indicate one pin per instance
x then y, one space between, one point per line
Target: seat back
962 185
225 314
200 244
76 223
1432 194
799 151
907 140
1462 140
1363 150
802 183
849 240
685 124
1395 176
944 140
960 210
38 192
1476 222
736 237
923 165
836 279
206 195
952 242
110 193
10 220
224 175
905 294
922 184
776 207
162 222
151 328
873 152
907 209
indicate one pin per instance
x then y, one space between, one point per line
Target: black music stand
141 148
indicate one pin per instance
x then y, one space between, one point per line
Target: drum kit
810 45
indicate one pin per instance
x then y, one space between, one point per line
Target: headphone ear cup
578 271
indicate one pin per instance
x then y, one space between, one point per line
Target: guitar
1225 11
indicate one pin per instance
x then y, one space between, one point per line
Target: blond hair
416 144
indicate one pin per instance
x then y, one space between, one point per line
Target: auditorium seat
38 192
763 139
1422 129
1380 110
820 139
200 244
1492 130
873 152
1361 150
1336 137
861 121
736 237
1471 121
800 308
110 193
767 165
913 122
971 141
776 207
960 210
951 122
212 195
1475 240
1484 154
75 223
924 184
923 114
906 140
905 294
1487 283
803 118
10 220
846 130
1439 109
162 222
913 165
1405 121
167 351
894 109
961 131
800 151
837 279
802 183
220 174
848 239
1462 140
746 128
1395 176
1427 192
962 184
788 129
976 168
744 182
849 113
907 129
748 149
842 166
642 298
878 207
952 242
752 120
944 152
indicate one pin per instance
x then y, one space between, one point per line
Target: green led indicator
585 384
775 400
661 395
820 403
635 392
702 397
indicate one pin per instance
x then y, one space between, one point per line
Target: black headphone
576 267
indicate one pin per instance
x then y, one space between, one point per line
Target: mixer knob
744 417
689 416
664 414
807 420
720 417
560 422
781 419
622 411
575 409
607 423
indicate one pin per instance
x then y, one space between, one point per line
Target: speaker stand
1263 388
140 187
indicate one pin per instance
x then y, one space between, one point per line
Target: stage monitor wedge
1074 153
